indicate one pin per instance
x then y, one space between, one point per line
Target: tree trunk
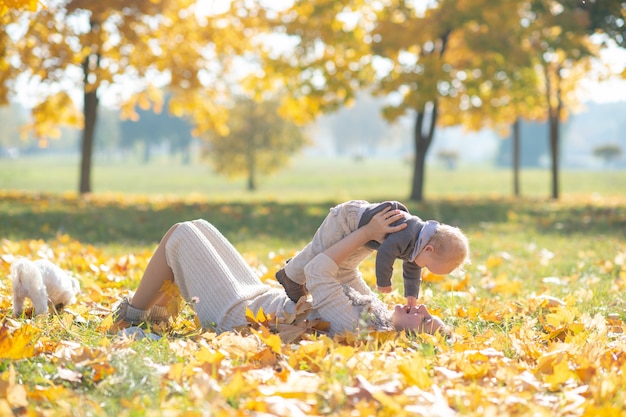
554 112
422 142
554 152
516 157
90 111
250 156
146 151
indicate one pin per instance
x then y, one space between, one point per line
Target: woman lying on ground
213 276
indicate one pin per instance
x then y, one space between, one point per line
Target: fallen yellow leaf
271 340
19 344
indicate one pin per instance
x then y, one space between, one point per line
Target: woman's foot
124 312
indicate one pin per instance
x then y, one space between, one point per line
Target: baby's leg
342 220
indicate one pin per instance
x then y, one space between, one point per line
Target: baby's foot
294 290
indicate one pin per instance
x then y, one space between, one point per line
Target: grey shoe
158 314
129 314
294 290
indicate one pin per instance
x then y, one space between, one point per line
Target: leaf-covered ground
539 319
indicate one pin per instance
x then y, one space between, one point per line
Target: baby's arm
385 258
412 277
396 246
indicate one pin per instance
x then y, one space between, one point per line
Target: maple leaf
289 327
308 352
69 352
560 322
260 319
266 358
106 324
236 387
236 345
170 289
428 276
214 357
415 372
291 332
560 374
48 393
456 285
68 375
494 261
504 285
16 345
271 340
14 393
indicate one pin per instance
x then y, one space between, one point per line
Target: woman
210 272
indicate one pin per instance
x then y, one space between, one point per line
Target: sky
613 89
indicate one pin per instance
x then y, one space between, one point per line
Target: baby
439 247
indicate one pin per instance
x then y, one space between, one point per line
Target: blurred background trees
259 141
149 130
608 152
135 48
479 64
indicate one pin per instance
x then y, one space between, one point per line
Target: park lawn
306 179
539 315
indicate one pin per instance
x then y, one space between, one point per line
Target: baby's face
417 319
436 264
440 266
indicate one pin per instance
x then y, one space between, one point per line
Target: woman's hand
376 229
381 224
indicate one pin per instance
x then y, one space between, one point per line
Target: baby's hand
384 289
410 302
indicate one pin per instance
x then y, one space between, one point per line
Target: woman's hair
450 242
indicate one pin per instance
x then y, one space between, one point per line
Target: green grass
306 179
573 249
132 206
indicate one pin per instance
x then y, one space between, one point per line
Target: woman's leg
230 256
212 275
157 272
149 303
209 273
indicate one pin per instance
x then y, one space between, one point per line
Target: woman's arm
328 297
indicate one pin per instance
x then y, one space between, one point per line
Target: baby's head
446 252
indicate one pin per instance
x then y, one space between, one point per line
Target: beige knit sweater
214 277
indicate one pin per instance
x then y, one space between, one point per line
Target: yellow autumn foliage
20 5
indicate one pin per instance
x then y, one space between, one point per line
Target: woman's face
417 319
